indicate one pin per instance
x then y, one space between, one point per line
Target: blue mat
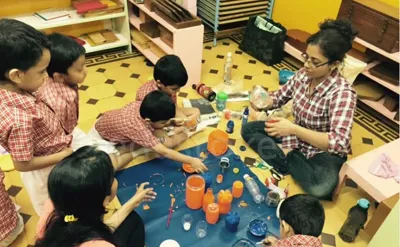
174 183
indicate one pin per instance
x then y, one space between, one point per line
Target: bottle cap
364 203
229 54
246 176
246 111
222 95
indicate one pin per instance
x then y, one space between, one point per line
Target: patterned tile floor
113 80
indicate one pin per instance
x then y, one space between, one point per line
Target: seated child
135 124
66 70
169 76
80 189
302 218
29 129
11 222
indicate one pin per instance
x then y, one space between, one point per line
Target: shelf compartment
393 88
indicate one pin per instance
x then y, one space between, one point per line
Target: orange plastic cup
191 124
237 189
212 213
195 186
218 142
224 201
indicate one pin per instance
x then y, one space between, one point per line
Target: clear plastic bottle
253 188
228 69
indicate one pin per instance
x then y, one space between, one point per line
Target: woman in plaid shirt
316 144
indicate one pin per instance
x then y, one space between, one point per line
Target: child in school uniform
60 92
170 76
302 218
29 129
135 125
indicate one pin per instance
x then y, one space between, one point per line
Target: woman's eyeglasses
306 59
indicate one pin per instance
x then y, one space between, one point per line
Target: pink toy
384 167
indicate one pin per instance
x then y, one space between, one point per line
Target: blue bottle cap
246 111
242 148
364 203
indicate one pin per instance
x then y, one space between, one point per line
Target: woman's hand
279 127
143 195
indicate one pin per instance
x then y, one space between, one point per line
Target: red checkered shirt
329 109
28 127
125 125
8 213
147 88
64 101
299 240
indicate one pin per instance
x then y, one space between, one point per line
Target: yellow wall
306 14
388 233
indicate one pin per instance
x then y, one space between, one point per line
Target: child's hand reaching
198 165
270 241
143 195
178 121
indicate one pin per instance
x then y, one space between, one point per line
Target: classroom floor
113 79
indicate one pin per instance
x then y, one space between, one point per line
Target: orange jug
237 189
217 142
212 213
208 198
195 186
224 201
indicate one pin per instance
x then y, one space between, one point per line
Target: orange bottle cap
220 178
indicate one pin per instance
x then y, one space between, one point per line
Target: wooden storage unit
225 16
187 43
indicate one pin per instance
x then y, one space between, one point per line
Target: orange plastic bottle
208 198
237 189
224 201
212 213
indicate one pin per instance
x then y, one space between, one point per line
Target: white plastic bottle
228 69
253 188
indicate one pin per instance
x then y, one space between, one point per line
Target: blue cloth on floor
175 183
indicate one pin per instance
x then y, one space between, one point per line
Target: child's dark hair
21 46
157 106
78 186
170 71
304 214
334 38
64 52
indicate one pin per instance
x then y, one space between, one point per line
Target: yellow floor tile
15 178
101 91
145 72
23 200
87 124
6 163
83 97
30 229
118 73
20 241
127 85
110 104
87 112
94 78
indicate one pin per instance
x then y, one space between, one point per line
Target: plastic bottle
355 221
224 201
232 114
222 97
212 213
232 221
208 198
228 69
230 126
204 91
253 188
245 116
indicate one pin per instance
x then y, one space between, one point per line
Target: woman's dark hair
304 214
78 186
335 38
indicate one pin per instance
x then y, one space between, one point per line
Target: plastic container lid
222 95
169 243
364 203
246 176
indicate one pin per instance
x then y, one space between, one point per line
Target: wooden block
391 102
149 4
150 29
396 117
144 17
97 38
387 71
166 36
109 36
369 90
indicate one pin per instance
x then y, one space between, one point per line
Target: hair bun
344 27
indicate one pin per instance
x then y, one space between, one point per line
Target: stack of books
52 15
90 8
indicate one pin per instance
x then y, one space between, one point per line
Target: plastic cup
187 221
195 187
237 189
201 229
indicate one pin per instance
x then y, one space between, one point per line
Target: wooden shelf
35 22
119 43
386 84
135 21
393 56
146 52
378 106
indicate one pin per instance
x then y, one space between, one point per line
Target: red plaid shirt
28 127
64 101
147 88
299 240
125 125
8 213
329 109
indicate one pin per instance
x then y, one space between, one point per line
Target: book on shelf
83 7
52 15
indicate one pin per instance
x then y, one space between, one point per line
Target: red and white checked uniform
125 125
329 109
147 88
299 241
8 213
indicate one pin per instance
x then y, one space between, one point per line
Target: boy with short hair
169 76
135 124
29 129
301 218
66 70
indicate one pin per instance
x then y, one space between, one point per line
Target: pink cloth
385 167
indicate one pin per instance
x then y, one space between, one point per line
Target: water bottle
253 188
355 221
245 116
228 69
230 126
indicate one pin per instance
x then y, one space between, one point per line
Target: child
169 76
80 189
11 222
66 70
302 218
134 124
29 129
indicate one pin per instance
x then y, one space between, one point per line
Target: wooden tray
185 24
150 29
